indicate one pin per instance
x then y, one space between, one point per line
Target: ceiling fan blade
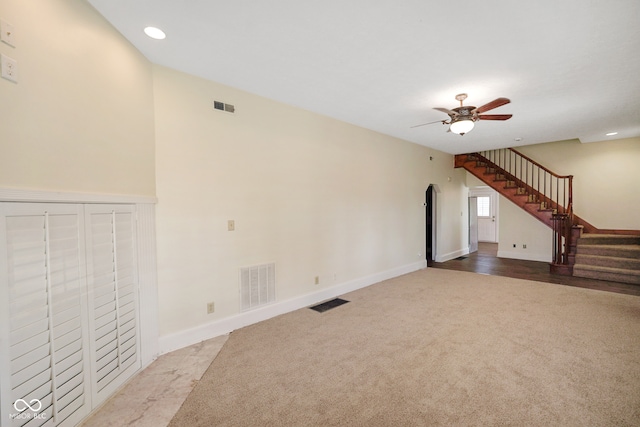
446 111
430 123
495 116
493 104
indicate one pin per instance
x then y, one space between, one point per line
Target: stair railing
562 224
552 191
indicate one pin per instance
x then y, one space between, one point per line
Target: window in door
484 207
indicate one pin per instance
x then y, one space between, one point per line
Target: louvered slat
66 328
20 377
69 361
65 376
68 338
40 380
104 309
26 346
109 370
127 302
105 289
104 299
66 351
127 319
20 334
61 316
106 340
28 316
128 338
106 319
30 358
71 407
35 299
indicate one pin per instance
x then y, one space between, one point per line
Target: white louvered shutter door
44 340
113 296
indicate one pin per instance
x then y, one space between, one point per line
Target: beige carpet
434 347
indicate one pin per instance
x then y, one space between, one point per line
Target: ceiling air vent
224 107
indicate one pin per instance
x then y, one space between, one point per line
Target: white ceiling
570 67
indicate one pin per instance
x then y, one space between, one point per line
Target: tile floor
153 396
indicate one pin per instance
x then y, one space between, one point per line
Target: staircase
610 257
579 248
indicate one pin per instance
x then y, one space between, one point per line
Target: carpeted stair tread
609 239
609 261
607 273
622 251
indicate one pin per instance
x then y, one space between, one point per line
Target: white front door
486 218
487 214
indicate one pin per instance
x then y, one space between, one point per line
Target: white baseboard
178 340
527 257
452 255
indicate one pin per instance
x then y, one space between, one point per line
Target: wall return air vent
224 107
257 286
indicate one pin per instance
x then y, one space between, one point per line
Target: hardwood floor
486 261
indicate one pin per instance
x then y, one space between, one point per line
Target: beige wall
519 228
81 116
317 196
606 176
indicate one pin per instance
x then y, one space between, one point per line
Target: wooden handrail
556 190
539 165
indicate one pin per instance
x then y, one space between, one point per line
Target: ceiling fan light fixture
461 126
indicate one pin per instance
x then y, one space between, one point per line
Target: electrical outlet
524 246
9 68
7 33
231 225
317 281
211 307
514 245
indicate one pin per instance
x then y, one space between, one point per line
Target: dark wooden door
429 207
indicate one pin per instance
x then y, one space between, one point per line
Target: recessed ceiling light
612 133
155 33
